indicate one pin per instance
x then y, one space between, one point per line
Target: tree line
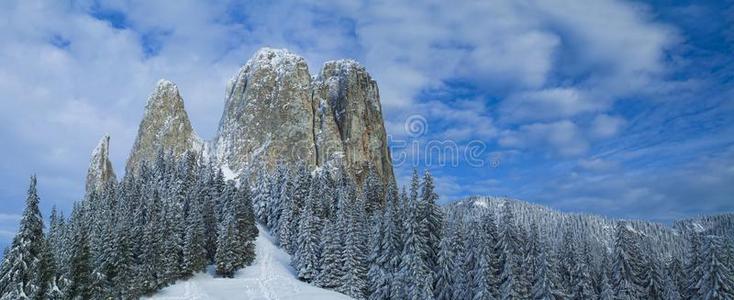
170 220
373 241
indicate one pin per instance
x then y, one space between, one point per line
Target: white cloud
604 126
548 104
564 138
102 75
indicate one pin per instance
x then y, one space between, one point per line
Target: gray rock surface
165 126
276 112
350 102
267 114
100 170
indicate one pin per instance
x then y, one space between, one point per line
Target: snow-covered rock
165 126
100 170
269 277
268 115
277 112
348 103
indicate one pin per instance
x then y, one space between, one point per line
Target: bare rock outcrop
100 170
165 127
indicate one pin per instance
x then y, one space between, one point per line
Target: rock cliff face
267 114
350 116
165 127
276 112
100 170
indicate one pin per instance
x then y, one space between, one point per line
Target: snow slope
269 277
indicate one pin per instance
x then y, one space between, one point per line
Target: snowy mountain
269 277
666 239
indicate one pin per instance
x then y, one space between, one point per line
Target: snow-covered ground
270 277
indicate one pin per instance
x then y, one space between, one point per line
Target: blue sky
618 108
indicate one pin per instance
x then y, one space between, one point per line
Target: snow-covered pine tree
194 248
285 226
24 274
79 271
567 260
677 277
393 241
124 286
262 196
692 266
331 256
282 198
510 249
444 281
544 284
653 287
461 288
355 252
378 284
433 218
226 257
414 273
307 242
581 280
626 263
299 195
55 242
717 282
374 191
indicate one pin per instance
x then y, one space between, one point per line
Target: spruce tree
444 281
626 264
307 248
24 271
716 282
355 252
332 264
415 275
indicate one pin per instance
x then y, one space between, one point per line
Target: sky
618 108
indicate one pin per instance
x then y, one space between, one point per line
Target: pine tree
445 268
80 273
355 253
433 218
677 278
331 257
653 281
581 280
543 279
24 271
717 281
378 283
194 249
415 275
374 191
509 247
693 261
626 264
308 242
460 288
226 257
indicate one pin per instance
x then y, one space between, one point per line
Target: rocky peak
100 170
346 90
268 113
165 127
276 112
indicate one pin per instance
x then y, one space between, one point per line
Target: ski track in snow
270 277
